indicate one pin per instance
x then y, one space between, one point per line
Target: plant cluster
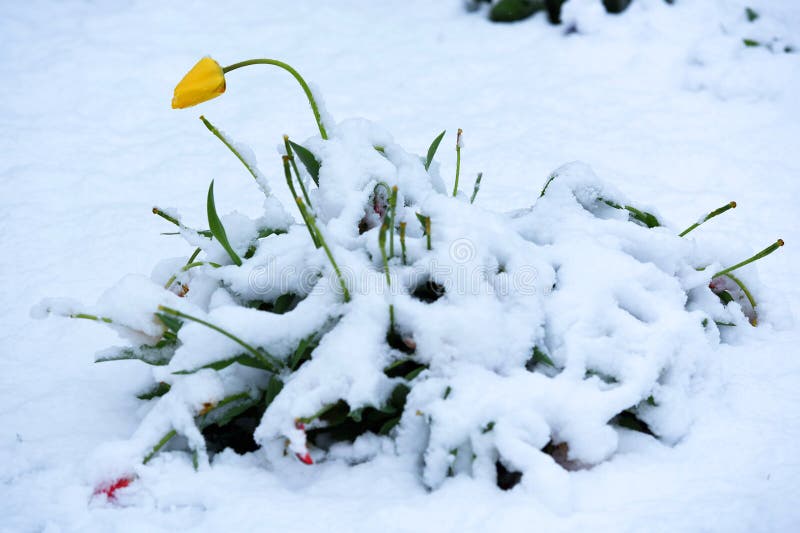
401 316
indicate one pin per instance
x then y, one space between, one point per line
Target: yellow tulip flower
205 81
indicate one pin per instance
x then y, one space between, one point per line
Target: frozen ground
664 102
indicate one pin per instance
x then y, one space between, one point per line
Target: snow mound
501 345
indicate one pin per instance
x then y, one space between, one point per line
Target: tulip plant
396 316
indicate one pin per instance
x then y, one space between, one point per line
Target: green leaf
227 409
414 373
282 303
751 13
644 217
156 391
217 229
309 161
303 351
432 149
243 359
605 378
514 10
539 357
422 220
751 42
147 354
725 297
170 322
388 426
274 387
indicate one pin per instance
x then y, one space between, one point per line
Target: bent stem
296 76
747 293
313 226
712 214
258 354
763 253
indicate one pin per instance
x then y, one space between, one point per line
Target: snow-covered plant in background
399 317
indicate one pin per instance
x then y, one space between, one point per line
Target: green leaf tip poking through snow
217 229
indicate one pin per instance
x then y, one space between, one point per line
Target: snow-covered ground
665 103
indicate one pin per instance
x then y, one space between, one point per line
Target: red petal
305 458
110 490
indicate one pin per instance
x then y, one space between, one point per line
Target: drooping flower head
205 81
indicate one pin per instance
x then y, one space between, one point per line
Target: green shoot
763 253
227 142
458 161
476 188
712 214
165 216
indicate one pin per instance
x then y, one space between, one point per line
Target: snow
664 103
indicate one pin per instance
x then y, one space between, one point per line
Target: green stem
313 225
296 76
92 317
382 245
296 172
303 214
712 214
403 240
393 214
763 253
458 160
164 440
258 354
476 188
192 257
428 230
165 216
187 266
253 172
